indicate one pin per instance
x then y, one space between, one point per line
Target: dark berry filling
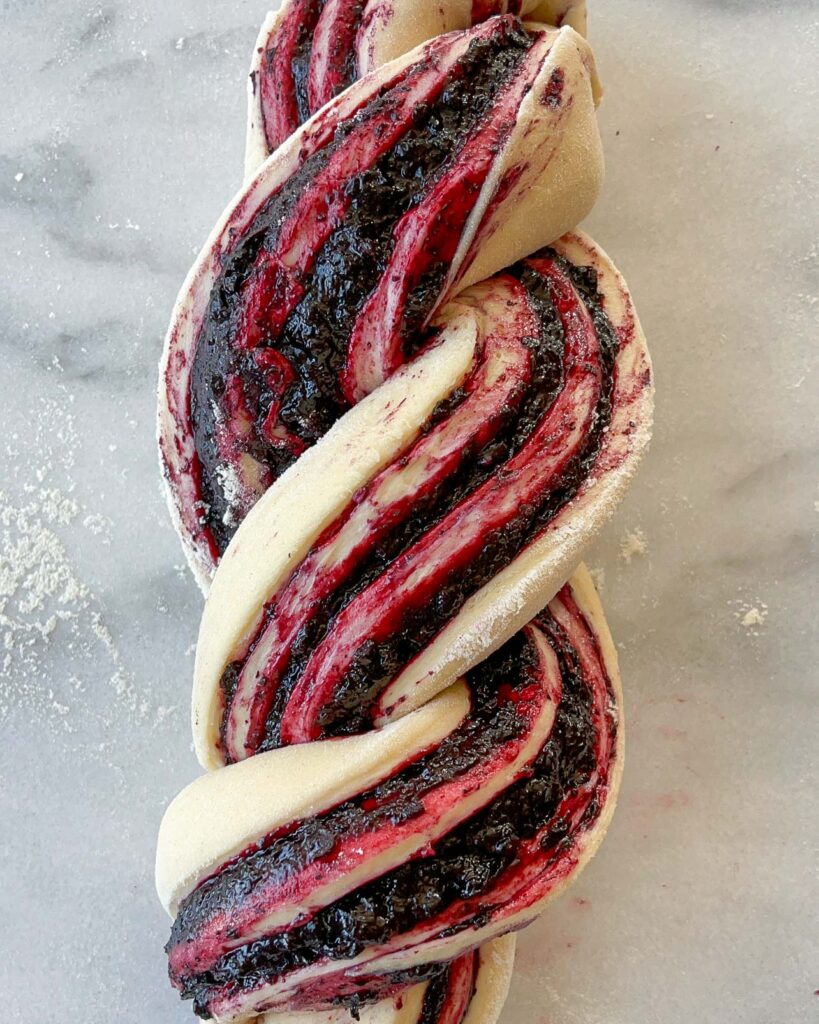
499 715
435 998
312 57
284 69
284 382
334 67
376 663
453 886
451 991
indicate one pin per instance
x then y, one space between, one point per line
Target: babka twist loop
397 400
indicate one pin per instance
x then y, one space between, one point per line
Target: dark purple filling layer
315 337
376 665
434 973
465 864
435 998
491 723
300 62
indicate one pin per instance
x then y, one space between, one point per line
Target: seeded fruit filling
331 287
497 462
312 56
542 727
308 61
449 993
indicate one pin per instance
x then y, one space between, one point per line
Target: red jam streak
420 802
498 864
488 400
342 269
503 463
313 55
282 79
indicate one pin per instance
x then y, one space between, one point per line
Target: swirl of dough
346 869
310 50
427 176
393 411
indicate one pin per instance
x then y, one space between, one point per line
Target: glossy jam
283 382
454 885
375 663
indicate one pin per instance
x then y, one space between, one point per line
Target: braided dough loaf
389 422
331 45
540 175
267 857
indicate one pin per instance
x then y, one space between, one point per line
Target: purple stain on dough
552 95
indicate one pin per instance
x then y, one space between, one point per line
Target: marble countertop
122 132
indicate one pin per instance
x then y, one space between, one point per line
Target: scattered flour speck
99 526
163 712
751 617
54 643
633 543
232 489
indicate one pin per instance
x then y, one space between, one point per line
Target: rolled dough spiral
397 400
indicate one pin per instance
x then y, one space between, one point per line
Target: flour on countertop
751 616
47 611
633 543
43 600
99 525
598 575
38 587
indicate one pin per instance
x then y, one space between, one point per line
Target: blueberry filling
435 998
467 863
349 264
376 664
300 61
437 994
491 723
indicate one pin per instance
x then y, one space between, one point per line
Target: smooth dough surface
222 813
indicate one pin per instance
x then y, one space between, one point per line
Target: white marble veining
122 132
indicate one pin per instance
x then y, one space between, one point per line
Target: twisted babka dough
309 50
395 818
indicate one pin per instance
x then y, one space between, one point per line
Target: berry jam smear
449 993
512 712
313 55
504 858
354 614
331 287
308 61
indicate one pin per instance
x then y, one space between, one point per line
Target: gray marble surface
122 130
